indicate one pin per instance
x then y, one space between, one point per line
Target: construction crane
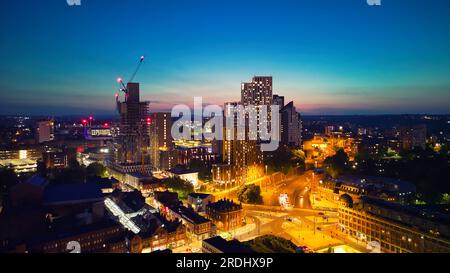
123 86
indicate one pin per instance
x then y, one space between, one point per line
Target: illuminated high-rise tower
257 92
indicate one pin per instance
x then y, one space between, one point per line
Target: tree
250 194
180 186
272 244
427 169
74 173
96 169
204 171
338 164
283 159
298 158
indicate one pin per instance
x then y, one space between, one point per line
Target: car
305 249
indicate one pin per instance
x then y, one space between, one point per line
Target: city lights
262 132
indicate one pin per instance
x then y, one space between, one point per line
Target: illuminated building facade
161 236
414 137
161 141
226 214
389 189
396 228
258 93
186 151
184 174
148 229
319 148
241 154
197 226
198 201
33 153
45 131
54 159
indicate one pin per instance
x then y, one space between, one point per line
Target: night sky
330 57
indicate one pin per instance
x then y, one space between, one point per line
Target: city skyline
328 57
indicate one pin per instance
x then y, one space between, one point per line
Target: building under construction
131 145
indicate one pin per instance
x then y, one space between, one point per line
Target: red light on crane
106 125
84 121
91 118
149 121
119 80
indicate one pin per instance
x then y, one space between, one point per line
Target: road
269 220
297 189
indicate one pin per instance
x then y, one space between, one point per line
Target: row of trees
75 173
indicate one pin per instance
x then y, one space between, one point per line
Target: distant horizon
303 115
329 57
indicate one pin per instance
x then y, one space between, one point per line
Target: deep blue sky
330 57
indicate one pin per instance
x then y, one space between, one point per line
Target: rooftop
233 246
167 198
225 205
199 195
190 215
417 211
73 193
38 181
181 171
387 183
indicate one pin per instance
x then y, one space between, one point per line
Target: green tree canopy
183 188
74 173
250 194
338 164
96 169
283 159
272 244
204 171
427 169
